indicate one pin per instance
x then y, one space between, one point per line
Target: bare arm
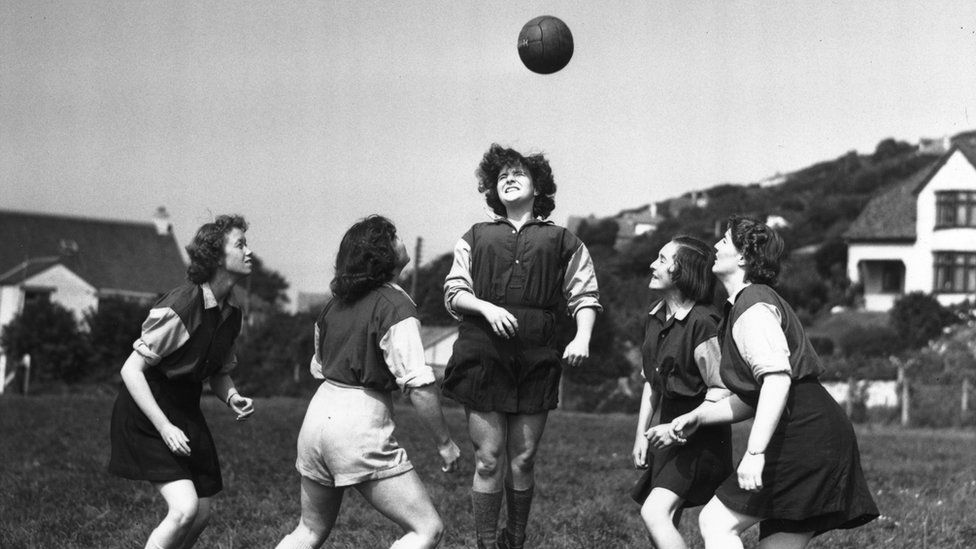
649 401
426 400
134 378
502 322
579 348
223 387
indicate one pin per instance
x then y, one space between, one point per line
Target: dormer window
955 209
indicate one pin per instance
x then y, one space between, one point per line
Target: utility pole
416 268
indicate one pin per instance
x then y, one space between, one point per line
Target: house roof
108 254
890 216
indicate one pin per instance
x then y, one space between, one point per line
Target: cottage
920 234
76 261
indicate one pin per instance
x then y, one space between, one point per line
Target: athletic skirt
138 451
692 471
347 437
812 478
519 375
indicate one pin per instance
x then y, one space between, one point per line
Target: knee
524 463
487 464
655 516
184 513
714 523
432 531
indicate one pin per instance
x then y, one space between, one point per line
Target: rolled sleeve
315 366
579 284
403 352
459 278
162 333
759 336
708 357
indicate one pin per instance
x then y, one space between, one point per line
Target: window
955 209
955 272
892 276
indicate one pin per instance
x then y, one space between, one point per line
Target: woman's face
515 185
662 267
237 256
727 259
402 256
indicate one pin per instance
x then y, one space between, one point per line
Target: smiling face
662 267
237 256
727 258
515 185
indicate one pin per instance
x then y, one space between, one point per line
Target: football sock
519 503
485 507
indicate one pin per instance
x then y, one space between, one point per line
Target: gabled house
76 261
920 234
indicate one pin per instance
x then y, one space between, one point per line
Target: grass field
54 491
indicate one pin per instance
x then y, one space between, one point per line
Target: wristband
751 453
230 395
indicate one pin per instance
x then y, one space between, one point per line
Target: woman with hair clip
509 278
367 345
801 472
159 433
681 362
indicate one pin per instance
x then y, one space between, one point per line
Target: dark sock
519 504
485 508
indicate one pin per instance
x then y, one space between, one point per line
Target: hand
640 453
450 455
576 352
242 406
750 472
660 436
502 322
684 426
175 439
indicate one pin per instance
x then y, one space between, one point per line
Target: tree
49 333
111 331
267 284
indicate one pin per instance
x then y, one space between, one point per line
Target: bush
918 318
49 333
869 341
111 331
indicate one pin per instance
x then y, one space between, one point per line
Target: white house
76 261
920 234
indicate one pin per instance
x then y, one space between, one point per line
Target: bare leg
320 507
786 540
181 510
660 511
404 500
722 527
199 523
488 432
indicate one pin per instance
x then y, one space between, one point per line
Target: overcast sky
306 116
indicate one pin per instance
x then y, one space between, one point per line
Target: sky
307 116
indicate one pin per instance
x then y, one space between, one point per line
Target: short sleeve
759 336
579 283
403 352
708 357
459 278
163 332
315 367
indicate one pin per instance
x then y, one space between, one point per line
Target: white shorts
347 437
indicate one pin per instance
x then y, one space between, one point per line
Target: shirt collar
209 299
396 286
533 221
680 314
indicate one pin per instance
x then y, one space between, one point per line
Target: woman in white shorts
367 345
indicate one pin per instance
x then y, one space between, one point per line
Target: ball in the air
545 44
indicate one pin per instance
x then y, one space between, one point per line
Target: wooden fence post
964 401
905 405
851 395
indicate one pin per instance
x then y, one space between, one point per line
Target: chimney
161 219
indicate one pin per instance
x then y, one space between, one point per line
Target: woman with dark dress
681 372
801 472
158 432
510 277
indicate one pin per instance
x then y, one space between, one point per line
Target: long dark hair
367 258
537 165
206 251
760 246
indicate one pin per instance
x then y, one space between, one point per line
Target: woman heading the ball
801 473
158 432
367 345
681 371
509 278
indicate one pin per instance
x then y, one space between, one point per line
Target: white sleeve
761 341
404 354
459 278
579 284
316 365
162 333
708 357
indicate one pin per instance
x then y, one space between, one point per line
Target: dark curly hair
692 273
207 249
499 157
367 258
761 246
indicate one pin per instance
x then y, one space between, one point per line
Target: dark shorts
520 375
139 453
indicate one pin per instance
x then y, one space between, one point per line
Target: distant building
934 145
77 261
920 234
635 222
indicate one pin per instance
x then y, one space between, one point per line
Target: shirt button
513 231
516 261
